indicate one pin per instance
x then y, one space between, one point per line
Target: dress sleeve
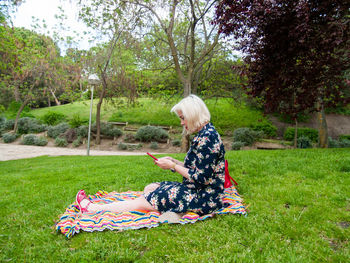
205 159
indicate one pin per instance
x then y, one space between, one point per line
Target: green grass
226 115
298 210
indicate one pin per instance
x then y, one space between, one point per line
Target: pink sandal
80 197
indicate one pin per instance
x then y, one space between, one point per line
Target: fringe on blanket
71 222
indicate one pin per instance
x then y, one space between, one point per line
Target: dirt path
14 152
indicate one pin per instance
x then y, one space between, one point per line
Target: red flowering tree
296 52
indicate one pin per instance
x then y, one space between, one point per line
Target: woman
203 171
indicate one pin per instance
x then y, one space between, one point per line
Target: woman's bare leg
139 203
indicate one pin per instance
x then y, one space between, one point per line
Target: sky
46 10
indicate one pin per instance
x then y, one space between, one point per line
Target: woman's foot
82 201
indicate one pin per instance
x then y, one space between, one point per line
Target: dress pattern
202 193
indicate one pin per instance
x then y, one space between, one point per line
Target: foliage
108 130
30 125
151 133
286 40
9 137
53 118
237 145
122 146
32 139
77 142
246 136
344 137
70 135
176 143
61 142
154 145
341 143
83 131
55 131
129 137
267 128
312 134
8 124
304 142
77 121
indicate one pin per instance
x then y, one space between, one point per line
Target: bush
8 125
77 142
83 131
122 146
32 139
176 142
332 143
154 145
53 118
312 134
77 121
108 130
344 143
151 133
61 142
246 135
267 128
9 137
30 125
70 135
344 137
129 137
237 145
304 142
55 131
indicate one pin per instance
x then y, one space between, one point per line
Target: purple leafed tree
297 52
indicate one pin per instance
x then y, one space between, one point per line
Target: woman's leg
139 203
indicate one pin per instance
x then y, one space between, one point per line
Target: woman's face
183 120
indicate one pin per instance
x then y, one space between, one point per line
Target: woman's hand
165 163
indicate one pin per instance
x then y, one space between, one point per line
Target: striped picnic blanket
71 222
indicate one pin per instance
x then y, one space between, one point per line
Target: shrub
246 135
304 142
312 134
83 131
70 135
30 125
61 142
176 142
53 118
9 137
237 145
8 125
55 131
344 137
108 130
32 139
151 133
154 145
77 121
122 146
129 137
267 128
332 143
344 143
77 142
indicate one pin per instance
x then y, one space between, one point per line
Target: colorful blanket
72 221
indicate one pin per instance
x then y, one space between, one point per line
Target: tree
296 52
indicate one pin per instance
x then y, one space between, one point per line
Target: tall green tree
297 52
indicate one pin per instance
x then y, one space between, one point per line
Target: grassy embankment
298 210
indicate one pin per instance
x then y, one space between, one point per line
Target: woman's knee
150 188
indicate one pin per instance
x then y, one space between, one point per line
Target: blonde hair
194 111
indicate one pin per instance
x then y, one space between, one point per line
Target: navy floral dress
202 193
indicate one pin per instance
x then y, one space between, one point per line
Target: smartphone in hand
152 156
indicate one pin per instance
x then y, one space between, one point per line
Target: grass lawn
299 203
225 114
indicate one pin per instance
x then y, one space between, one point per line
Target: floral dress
202 193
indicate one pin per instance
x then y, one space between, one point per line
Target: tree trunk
98 117
296 133
322 127
25 102
55 98
17 94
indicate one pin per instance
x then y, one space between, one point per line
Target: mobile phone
152 156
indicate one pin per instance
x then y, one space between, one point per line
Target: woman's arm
167 163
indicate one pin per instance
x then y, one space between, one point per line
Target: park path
14 152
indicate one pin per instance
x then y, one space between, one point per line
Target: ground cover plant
298 210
